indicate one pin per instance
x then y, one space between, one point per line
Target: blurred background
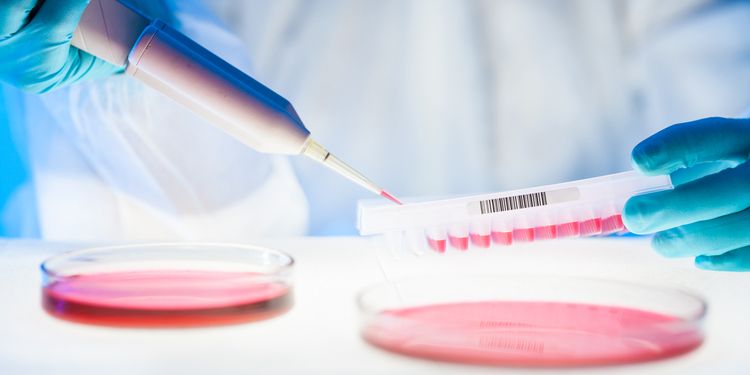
429 98
442 97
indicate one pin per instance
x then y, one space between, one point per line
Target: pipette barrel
185 71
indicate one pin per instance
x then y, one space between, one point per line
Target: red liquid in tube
591 227
437 245
548 232
502 238
480 240
612 224
460 243
523 235
571 229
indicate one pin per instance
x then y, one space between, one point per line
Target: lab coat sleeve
115 160
692 60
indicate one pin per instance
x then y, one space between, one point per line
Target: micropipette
170 62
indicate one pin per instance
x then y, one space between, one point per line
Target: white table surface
319 335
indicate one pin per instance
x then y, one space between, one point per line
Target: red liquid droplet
390 197
437 245
532 333
460 243
480 240
166 298
548 232
612 224
571 229
523 235
591 227
502 238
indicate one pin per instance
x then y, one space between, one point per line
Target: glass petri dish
530 321
167 285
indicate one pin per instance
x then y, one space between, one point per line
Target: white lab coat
427 97
112 160
439 97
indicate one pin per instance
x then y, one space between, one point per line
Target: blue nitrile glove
35 50
706 215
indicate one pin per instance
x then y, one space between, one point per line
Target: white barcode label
519 202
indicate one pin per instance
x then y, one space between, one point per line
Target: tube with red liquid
582 208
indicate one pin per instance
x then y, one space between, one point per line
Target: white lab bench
319 335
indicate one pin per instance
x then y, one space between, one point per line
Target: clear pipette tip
318 153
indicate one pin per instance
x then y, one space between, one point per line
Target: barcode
517 202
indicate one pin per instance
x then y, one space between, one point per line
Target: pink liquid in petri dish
511 333
480 240
166 298
523 235
460 243
591 227
437 245
548 232
612 224
571 229
502 238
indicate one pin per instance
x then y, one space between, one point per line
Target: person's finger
86 66
710 237
59 17
695 172
736 260
685 145
706 198
14 14
79 66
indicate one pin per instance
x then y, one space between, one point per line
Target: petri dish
167 285
530 321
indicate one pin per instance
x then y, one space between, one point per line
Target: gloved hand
706 214
35 48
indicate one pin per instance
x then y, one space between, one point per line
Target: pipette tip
390 197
